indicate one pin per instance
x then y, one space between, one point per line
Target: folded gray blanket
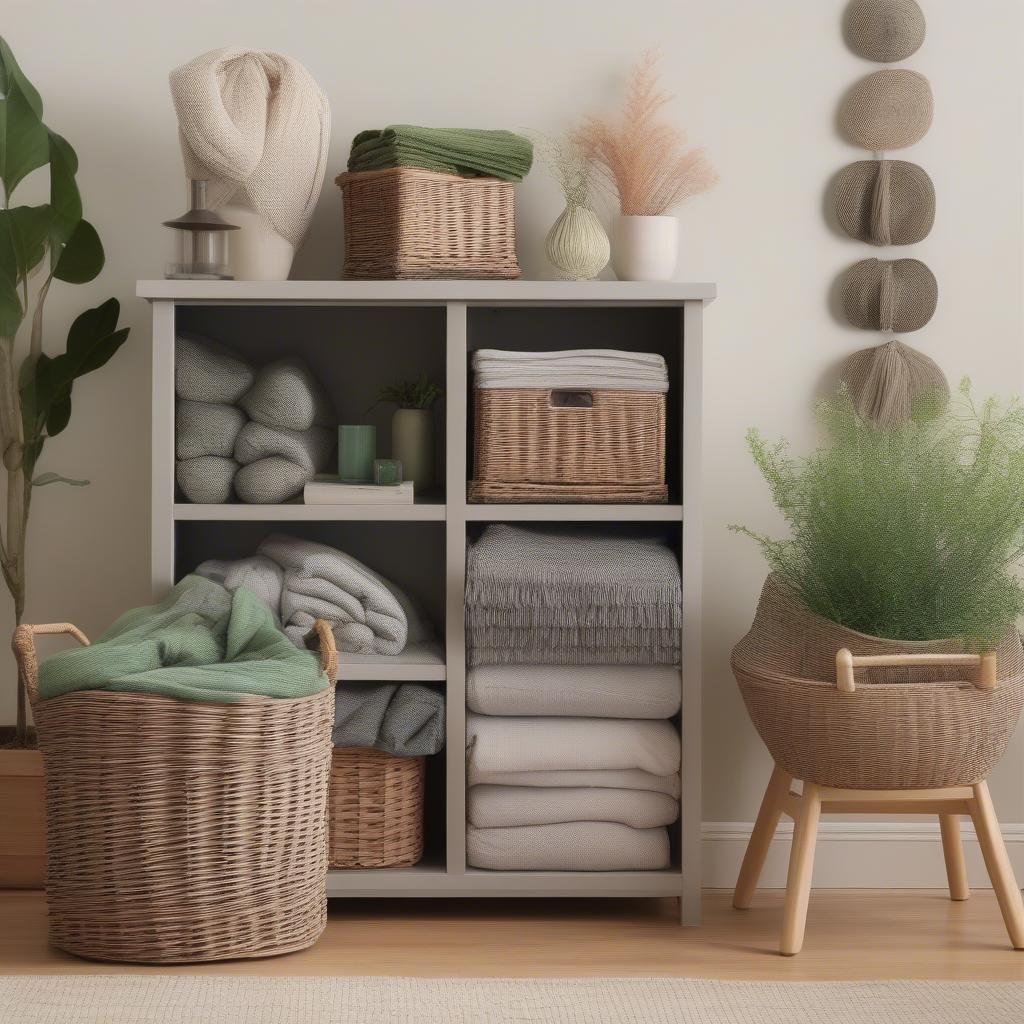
206 372
287 395
302 581
206 480
576 598
278 462
405 719
206 428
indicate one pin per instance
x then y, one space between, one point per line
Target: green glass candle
357 448
387 472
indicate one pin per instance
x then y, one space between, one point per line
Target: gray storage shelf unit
360 335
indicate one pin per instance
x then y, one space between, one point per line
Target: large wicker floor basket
180 831
535 444
376 809
909 727
406 222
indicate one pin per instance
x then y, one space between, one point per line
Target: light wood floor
850 935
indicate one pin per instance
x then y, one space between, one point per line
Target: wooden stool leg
801 866
953 852
761 838
998 863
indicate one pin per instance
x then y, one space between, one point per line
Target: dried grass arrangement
641 159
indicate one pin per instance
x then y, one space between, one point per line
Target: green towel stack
470 152
200 644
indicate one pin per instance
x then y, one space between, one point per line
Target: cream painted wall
758 83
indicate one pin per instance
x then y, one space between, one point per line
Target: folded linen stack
574 649
572 368
469 152
260 435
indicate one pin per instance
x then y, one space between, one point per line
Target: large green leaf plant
39 245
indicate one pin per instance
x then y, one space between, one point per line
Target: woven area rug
184 999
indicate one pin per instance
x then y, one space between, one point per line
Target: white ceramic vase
577 244
645 248
412 443
256 252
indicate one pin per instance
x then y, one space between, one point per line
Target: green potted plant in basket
412 427
39 245
903 540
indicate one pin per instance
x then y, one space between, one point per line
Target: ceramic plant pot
256 252
23 834
577 244
412 443
645 248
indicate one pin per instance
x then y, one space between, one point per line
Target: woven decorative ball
885 202
890 109
885 30
890 383
889 295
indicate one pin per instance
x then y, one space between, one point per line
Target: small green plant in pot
412 427
911 533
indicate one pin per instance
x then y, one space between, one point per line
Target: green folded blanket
200 643
466 151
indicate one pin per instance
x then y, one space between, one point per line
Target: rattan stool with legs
949 803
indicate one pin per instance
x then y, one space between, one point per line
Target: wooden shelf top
384 293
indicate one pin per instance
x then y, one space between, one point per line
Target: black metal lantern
201 242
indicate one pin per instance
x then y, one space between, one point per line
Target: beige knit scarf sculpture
255 125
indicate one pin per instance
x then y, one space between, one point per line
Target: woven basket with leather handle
408 223
535 444
180 831
901 728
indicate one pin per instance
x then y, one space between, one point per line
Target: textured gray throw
404 719
580 598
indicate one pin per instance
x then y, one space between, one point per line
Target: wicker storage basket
533 444
902 728
375 810
406 222
180 831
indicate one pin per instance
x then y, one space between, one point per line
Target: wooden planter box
23 836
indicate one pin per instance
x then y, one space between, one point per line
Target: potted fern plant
412 427
39 245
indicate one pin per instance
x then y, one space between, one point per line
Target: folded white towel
631 779
571 744
571 368
572 846
596 691
506 806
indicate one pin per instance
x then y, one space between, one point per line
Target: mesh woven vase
577 244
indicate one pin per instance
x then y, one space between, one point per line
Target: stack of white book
329 490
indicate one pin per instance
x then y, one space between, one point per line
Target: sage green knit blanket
200 643
466 151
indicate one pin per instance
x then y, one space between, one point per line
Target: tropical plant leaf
23 233
10 70
24 145
82 256
65 199
11 313
58 416
55 478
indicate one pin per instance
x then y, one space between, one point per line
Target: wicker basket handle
23 643
984 665
328 649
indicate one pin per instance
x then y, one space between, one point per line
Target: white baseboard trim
856 854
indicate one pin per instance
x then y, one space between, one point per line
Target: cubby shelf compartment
359 335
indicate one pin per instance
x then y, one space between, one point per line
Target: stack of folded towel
573 652
469 152
591 368
258 435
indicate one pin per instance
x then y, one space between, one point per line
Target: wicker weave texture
375 810
181 831
524 444
409 223
903 728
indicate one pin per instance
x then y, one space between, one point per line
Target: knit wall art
883 202
256 126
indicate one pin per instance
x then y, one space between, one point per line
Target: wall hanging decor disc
889 109
889 295
890 383
884 30
885 202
